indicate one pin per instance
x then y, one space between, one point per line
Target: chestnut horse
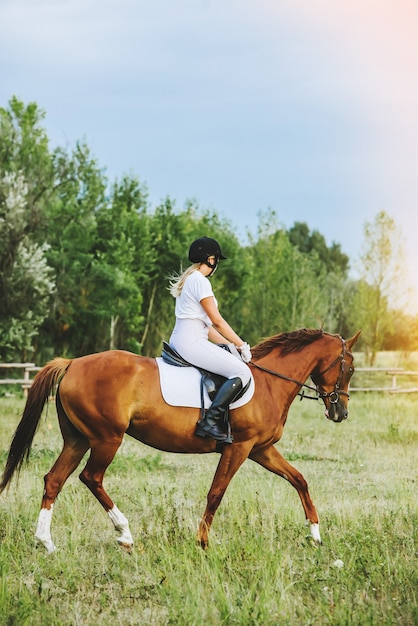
102 396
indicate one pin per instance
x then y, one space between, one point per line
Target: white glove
245 351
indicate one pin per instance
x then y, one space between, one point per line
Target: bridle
334 395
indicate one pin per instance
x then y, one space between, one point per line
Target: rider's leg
209 425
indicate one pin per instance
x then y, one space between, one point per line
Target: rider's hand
245 351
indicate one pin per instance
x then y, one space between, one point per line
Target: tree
380 288
332 267
27 281
72 327
283 288
26 185
404 333
333 258
122 255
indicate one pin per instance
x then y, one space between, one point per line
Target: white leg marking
43 530
315 533
121 525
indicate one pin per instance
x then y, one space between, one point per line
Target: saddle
209 381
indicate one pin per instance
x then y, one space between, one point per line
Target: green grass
259 569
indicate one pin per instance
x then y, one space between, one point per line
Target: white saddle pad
180 386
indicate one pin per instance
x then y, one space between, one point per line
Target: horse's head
332 378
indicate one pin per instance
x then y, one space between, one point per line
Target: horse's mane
293 341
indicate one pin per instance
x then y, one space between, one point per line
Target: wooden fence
394 373
29 369
26 380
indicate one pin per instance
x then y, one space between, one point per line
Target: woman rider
200 327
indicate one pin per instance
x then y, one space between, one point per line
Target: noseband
334 395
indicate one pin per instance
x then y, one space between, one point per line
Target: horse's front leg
231 460
272 460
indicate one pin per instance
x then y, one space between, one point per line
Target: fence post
26 378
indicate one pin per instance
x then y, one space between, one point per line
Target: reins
332 395
291 380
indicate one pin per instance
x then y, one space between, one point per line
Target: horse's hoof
46 543
312 542
202 543
126 547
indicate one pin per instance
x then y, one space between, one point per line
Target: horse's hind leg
66 463
75 446
272 460
102 454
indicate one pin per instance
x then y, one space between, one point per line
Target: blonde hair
177 280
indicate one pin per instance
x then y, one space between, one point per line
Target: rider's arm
219 323
215 336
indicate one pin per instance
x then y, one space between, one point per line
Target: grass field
259 569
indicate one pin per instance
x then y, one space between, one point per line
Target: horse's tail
42 387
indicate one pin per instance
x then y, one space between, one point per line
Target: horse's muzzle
336 412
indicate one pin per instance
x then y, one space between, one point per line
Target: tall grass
259 569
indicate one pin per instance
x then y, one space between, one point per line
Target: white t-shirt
194 290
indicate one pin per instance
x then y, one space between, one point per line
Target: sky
305 107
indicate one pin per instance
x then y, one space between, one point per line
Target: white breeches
190 339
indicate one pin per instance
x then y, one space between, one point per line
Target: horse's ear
352 341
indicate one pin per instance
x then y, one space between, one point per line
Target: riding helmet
203 248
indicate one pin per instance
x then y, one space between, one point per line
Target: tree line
85 262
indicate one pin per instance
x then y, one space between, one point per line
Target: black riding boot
208 426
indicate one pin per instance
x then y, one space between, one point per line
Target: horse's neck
296 365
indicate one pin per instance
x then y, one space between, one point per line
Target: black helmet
203 248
